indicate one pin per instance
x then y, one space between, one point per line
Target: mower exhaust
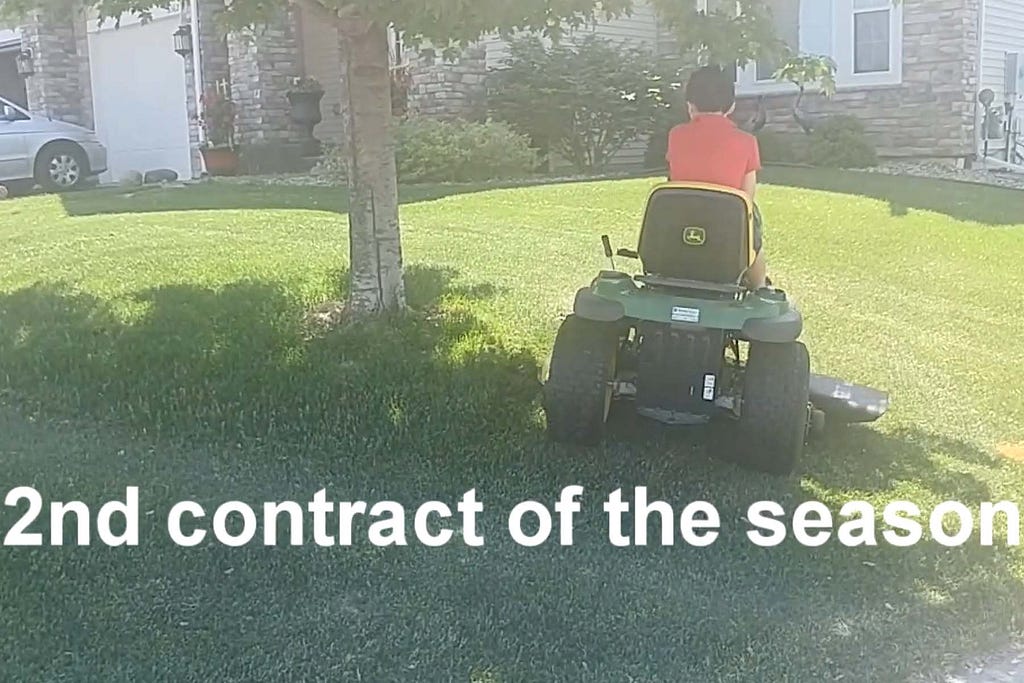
845 403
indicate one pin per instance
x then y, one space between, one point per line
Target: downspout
197 65
979 73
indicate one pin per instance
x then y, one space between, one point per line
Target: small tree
727 32
805 70
584 99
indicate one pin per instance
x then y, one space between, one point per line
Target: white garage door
138 89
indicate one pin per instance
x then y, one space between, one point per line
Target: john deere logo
695 237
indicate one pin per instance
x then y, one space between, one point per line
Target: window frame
843 52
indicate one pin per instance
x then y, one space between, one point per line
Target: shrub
583 100
436 151
431 150
840 142
333 163
269 158
782 148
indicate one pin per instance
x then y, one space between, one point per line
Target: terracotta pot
220 160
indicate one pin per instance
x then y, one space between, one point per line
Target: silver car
38 150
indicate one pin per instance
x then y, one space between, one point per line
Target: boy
711 149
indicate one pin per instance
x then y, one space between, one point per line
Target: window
871 36
863 37
786 15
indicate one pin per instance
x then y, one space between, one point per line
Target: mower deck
846 403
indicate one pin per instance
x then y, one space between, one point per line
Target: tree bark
375 247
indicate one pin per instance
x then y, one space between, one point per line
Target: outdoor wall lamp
183 40
24 63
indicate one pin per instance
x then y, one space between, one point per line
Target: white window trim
842 48
842 37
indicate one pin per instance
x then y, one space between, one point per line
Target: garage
12 85
139 95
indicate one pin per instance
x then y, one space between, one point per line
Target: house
143 98
12 85
910 71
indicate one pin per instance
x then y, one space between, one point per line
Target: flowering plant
305 84
218 119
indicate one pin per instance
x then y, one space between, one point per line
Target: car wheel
61 167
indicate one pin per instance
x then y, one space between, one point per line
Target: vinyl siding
1002 32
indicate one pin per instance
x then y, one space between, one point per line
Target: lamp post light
183 40
24 63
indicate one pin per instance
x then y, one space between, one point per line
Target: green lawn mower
671 340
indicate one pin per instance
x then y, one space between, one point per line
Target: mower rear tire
578 391
774 413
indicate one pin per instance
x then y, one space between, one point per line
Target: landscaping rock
948 171
161 175
131 179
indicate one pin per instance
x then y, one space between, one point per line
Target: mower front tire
578 391
774 413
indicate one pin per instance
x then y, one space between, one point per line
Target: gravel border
979 175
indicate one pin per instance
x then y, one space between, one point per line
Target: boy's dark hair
711 90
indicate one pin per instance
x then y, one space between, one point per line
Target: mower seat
697 235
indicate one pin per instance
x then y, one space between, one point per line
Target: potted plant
304 96
218 121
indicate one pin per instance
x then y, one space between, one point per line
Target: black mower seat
697 232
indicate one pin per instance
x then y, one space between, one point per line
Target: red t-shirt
711 149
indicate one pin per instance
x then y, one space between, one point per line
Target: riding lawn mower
687 342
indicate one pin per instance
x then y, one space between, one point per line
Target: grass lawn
158 341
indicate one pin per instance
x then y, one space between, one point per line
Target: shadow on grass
962 201
242 404
242 361
215 196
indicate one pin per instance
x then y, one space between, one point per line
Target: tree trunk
375 247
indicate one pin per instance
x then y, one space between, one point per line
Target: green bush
433 151
782 148
840 142
437 151
267 158
583 99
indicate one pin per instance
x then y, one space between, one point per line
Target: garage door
138 89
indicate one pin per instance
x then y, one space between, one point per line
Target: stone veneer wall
262 69
932 113
449 89
60 86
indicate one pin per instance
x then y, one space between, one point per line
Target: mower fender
590 306
778 330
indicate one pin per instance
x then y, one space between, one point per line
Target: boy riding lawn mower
670 339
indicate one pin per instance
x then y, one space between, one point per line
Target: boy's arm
750 184
753 166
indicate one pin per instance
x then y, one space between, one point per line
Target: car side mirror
627 253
